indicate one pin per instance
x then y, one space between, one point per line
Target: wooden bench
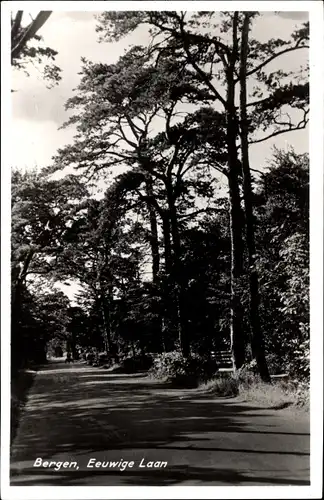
223 360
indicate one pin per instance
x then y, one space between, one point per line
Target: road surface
80 416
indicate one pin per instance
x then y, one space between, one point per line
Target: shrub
247 375
303 395
135 364
90 357
300 366
276 364
181 371
103 358
222 386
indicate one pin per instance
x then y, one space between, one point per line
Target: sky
38 112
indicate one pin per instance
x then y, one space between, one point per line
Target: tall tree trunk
169 313
166 225
73 348
258 350
106 321
21 278
179 280
154 242
236 219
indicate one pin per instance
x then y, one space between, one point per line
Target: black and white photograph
162 256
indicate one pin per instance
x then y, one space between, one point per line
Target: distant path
75 413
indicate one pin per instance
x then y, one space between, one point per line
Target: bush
300 366
135 364
248 374
103 358
276 364
90 357
222 386
181 371
303 395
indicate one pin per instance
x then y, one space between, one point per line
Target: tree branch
128 141
133 128
267 61
255 103
173 159
219 168
203 210
198 70
301 125
29 33
151 201
16 25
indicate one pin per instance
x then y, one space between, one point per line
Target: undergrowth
183 371
249 387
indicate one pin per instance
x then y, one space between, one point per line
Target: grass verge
278 395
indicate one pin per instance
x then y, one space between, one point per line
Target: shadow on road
77 410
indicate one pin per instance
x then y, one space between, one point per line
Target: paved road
78 413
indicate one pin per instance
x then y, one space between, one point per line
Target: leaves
284 265
26 46
42 211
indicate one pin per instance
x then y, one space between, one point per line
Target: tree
258 351
42 318
134 115
282 202
42 210
207 267
77 328
221 64
24 51
103 251
118 104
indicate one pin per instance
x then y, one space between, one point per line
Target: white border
316 242
70 6
316 271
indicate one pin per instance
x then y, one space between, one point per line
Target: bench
223 360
